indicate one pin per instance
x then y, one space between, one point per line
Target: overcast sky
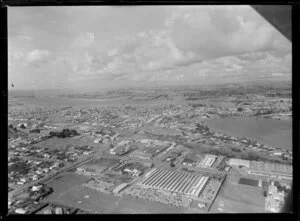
94 47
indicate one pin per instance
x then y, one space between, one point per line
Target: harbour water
275 133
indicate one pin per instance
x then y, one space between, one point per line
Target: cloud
193 35
148 51
253 56
15 55
277 74
25 37
84 40
177 44
112 52
212 32
37 55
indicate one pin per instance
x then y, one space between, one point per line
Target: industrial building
190 184
133 169
239 162
20 211
148 152
122 150
58 210
208 161
120 188
271 169
98 165
47 211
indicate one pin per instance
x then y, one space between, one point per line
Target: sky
119 46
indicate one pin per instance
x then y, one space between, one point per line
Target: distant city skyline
86 48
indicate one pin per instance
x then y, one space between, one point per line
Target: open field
226 205
68 191
103 162
65 182
64 143
86 198
237 198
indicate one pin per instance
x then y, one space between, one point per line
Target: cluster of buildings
275 198
21 171
31 203
132 169
24 151
27 162
151 149
204 161
59 210
104 137
122 148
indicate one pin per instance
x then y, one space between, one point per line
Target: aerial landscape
151 121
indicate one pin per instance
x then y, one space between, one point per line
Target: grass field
86 198
68 191
103 162
62 143
63 183
236 198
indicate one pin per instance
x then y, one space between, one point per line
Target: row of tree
64 133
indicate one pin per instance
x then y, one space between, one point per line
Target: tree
236 149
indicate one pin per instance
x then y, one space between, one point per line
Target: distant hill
38 93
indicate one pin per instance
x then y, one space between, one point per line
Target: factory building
239 162
271 169
151 171
58 210
208 160
120 188
149 152
180 182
